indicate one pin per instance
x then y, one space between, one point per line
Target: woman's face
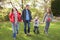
48 14
48 10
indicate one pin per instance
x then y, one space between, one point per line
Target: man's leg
25 27
28 26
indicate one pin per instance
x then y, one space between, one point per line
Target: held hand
21 20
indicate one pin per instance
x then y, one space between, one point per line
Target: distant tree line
55 6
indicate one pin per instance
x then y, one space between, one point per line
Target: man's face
27 7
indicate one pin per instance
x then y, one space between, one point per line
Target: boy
36 24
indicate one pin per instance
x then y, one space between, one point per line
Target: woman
47 18
15 18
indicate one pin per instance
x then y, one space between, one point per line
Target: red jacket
12 18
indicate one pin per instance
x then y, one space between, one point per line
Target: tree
55 6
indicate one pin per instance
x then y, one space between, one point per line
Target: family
16 17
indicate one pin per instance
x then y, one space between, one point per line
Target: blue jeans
27 23
47 26
15 28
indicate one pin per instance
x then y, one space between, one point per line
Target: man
26 16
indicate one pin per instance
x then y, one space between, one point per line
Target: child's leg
37 30
14 30
17 27
34 29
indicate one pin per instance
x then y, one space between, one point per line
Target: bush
4 14
36 12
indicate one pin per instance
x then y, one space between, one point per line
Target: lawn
6 32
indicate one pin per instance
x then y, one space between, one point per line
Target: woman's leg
47 27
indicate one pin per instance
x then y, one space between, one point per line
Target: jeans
47 26
26 23
15 28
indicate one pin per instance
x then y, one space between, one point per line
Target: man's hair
27 5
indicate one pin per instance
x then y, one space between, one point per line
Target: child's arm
39 21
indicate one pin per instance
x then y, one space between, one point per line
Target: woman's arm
44 17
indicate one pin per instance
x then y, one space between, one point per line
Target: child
47 18
36 24
15 18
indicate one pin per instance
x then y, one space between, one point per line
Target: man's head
27 6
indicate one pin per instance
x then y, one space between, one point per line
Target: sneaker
46 33
34 31
28 34
38 32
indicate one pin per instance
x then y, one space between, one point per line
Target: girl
15 17
47 18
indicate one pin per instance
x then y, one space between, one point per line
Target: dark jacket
24 15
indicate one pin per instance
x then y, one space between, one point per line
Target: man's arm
30 15
22 14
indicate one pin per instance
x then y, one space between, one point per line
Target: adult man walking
26 16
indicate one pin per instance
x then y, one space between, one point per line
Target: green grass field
6 32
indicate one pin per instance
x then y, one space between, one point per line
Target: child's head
36 17
14 9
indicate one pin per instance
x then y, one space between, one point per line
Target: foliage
4 14
36 12
55 6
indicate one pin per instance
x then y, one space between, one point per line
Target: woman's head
49 10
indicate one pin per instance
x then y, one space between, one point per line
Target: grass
6 32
